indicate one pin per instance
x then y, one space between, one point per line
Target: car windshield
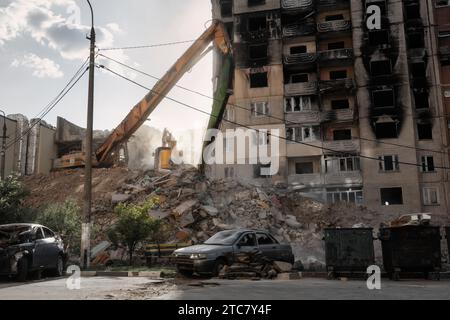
12 234
225 238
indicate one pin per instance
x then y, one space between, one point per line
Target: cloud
55 24
42 67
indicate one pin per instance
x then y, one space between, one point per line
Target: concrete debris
281 266
250 265
412 220
200 207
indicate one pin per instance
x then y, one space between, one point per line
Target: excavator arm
139 114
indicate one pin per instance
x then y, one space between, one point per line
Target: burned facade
361 110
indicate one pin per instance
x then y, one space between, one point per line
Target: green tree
65 219
134 225
12 193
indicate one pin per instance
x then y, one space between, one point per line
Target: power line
269 116
248 127
51 105
148 46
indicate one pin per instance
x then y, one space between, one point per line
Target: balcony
324 5
336 55
297 5
308 180
298 30
346 146
303 117
319 179
343 178
299 59
334 26
329 86
301 88
251 36
341 115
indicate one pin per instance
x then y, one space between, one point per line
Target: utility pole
3 152
86 228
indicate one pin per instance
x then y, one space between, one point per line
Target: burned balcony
299 29
341 115
329 86
337 55
299 59
300 88
295 6
344 146
324 5
334 26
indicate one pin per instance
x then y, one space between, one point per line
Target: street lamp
85 236
3 151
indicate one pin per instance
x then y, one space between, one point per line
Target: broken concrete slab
282 266
157 214
212 211
183 235
186 220
289 276
118 198
185 207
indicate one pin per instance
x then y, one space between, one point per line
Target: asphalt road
143 288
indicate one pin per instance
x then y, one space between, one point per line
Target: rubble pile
253 265
197 208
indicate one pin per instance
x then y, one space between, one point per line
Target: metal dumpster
348 250
447 234
411 249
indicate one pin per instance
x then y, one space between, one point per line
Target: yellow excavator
140 113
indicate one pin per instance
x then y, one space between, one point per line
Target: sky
43 43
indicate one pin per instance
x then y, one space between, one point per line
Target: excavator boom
142 110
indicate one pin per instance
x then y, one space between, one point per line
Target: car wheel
218 266
22 269
59 270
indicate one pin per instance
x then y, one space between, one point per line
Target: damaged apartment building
364 112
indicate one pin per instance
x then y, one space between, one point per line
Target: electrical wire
147 46
248 127
269 116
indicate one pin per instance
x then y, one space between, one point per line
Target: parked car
220 250
30 248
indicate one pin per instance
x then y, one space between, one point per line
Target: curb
122 274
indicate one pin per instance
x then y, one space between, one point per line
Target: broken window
258 51
442 2
340 104
380 68
428 164
418 70
264 239
229 172
304 168
386 130
383 98
260 108
391 196
299 78
352 195
226 8
334 17
298 49
251 3
342 134
421 99
303 134
258 80
229 114
344 163
416 40
389 163
412 11
379 37
336 45
257 24
430 196
248 240
338 74
297 104
425 131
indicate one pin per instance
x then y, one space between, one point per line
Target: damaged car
220 250
30 249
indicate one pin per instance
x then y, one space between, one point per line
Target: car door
246 243
267 245
51 248
39 259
